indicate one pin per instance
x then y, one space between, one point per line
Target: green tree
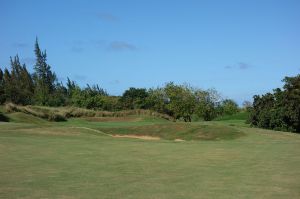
26 86
157 100
91 97
279 110
207 103
134 98
229 107
17 86
59 97
7 85
291 102
2 94
181 101
205 106
44 78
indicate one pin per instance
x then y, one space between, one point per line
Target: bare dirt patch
143 137
179 140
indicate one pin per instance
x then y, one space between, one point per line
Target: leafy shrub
3 118
279 110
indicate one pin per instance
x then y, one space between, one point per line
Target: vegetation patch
35 111
62 113
3 118
279 110
243 115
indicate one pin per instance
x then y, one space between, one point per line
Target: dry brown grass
112 119
62 113
35 111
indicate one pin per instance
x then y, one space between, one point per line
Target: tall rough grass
62 113
35 111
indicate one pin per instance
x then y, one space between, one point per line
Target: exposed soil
143 137
179 140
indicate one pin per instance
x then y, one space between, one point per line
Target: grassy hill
83 158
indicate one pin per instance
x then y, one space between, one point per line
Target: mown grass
53 160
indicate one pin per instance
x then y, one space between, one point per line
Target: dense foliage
279 110
182 102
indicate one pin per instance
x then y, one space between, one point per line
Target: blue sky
240 48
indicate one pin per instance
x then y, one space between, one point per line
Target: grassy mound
172 131
35 111
20 117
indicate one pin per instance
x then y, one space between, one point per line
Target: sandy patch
143 137
179 140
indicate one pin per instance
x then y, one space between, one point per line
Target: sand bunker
143 137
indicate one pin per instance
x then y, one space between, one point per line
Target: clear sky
239 47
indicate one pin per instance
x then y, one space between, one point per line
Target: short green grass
40 159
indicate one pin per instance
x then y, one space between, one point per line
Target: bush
279 110
3 118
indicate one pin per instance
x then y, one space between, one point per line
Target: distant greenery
242 115
42 88
279 110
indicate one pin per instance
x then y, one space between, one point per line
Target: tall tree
206 103
229 107
181 101
279 110
134 98
44 78
2 94
18 83
26 85
7 85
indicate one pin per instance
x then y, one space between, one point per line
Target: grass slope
172 131
52 160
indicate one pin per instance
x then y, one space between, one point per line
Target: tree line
182 102
279 110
